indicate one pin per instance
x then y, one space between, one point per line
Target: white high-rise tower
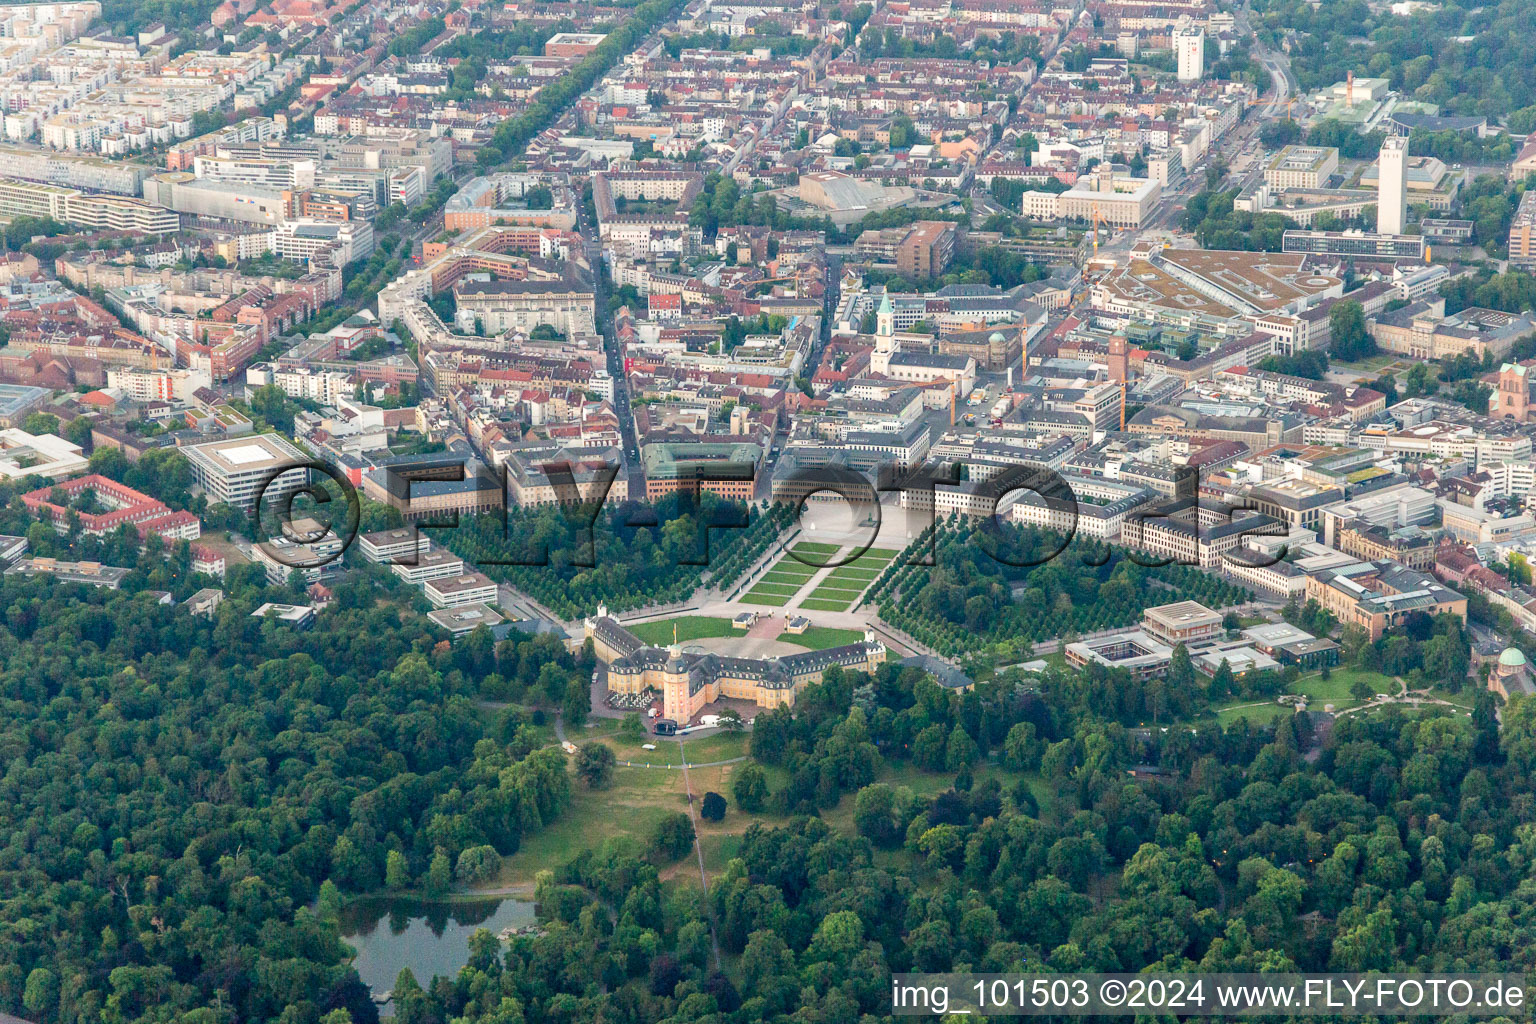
1392 186
1189 42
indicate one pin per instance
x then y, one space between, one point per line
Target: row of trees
989 594
511 135
1005 48
630 556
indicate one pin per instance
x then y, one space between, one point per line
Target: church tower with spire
885 336
885 318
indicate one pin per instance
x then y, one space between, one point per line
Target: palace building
687 681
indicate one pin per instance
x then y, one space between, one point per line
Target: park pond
428 936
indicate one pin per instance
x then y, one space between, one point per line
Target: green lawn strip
782 579
819 638
771 600
797 572
787 589
817 605
795 569
837 590
849 572
806 547
777 589
689 627
844 601
858 588
1463 700
788 564
863 565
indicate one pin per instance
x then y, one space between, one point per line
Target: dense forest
180 791
1393 842
1464 57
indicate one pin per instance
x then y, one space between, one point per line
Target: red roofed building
208 561
125 505
665 305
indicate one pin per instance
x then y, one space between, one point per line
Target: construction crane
1098 218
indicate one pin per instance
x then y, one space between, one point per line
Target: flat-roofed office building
237 470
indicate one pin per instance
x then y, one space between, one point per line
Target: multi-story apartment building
72 206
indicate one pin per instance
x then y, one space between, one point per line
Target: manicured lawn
794 565
1336 688
1372 364
811 547
839 588
771 600
689 627
793 568
818 605
787 589
793 583
819 638
849 572
885 553
1461 700
1320 692
718 746
833 594
775 576
865 565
